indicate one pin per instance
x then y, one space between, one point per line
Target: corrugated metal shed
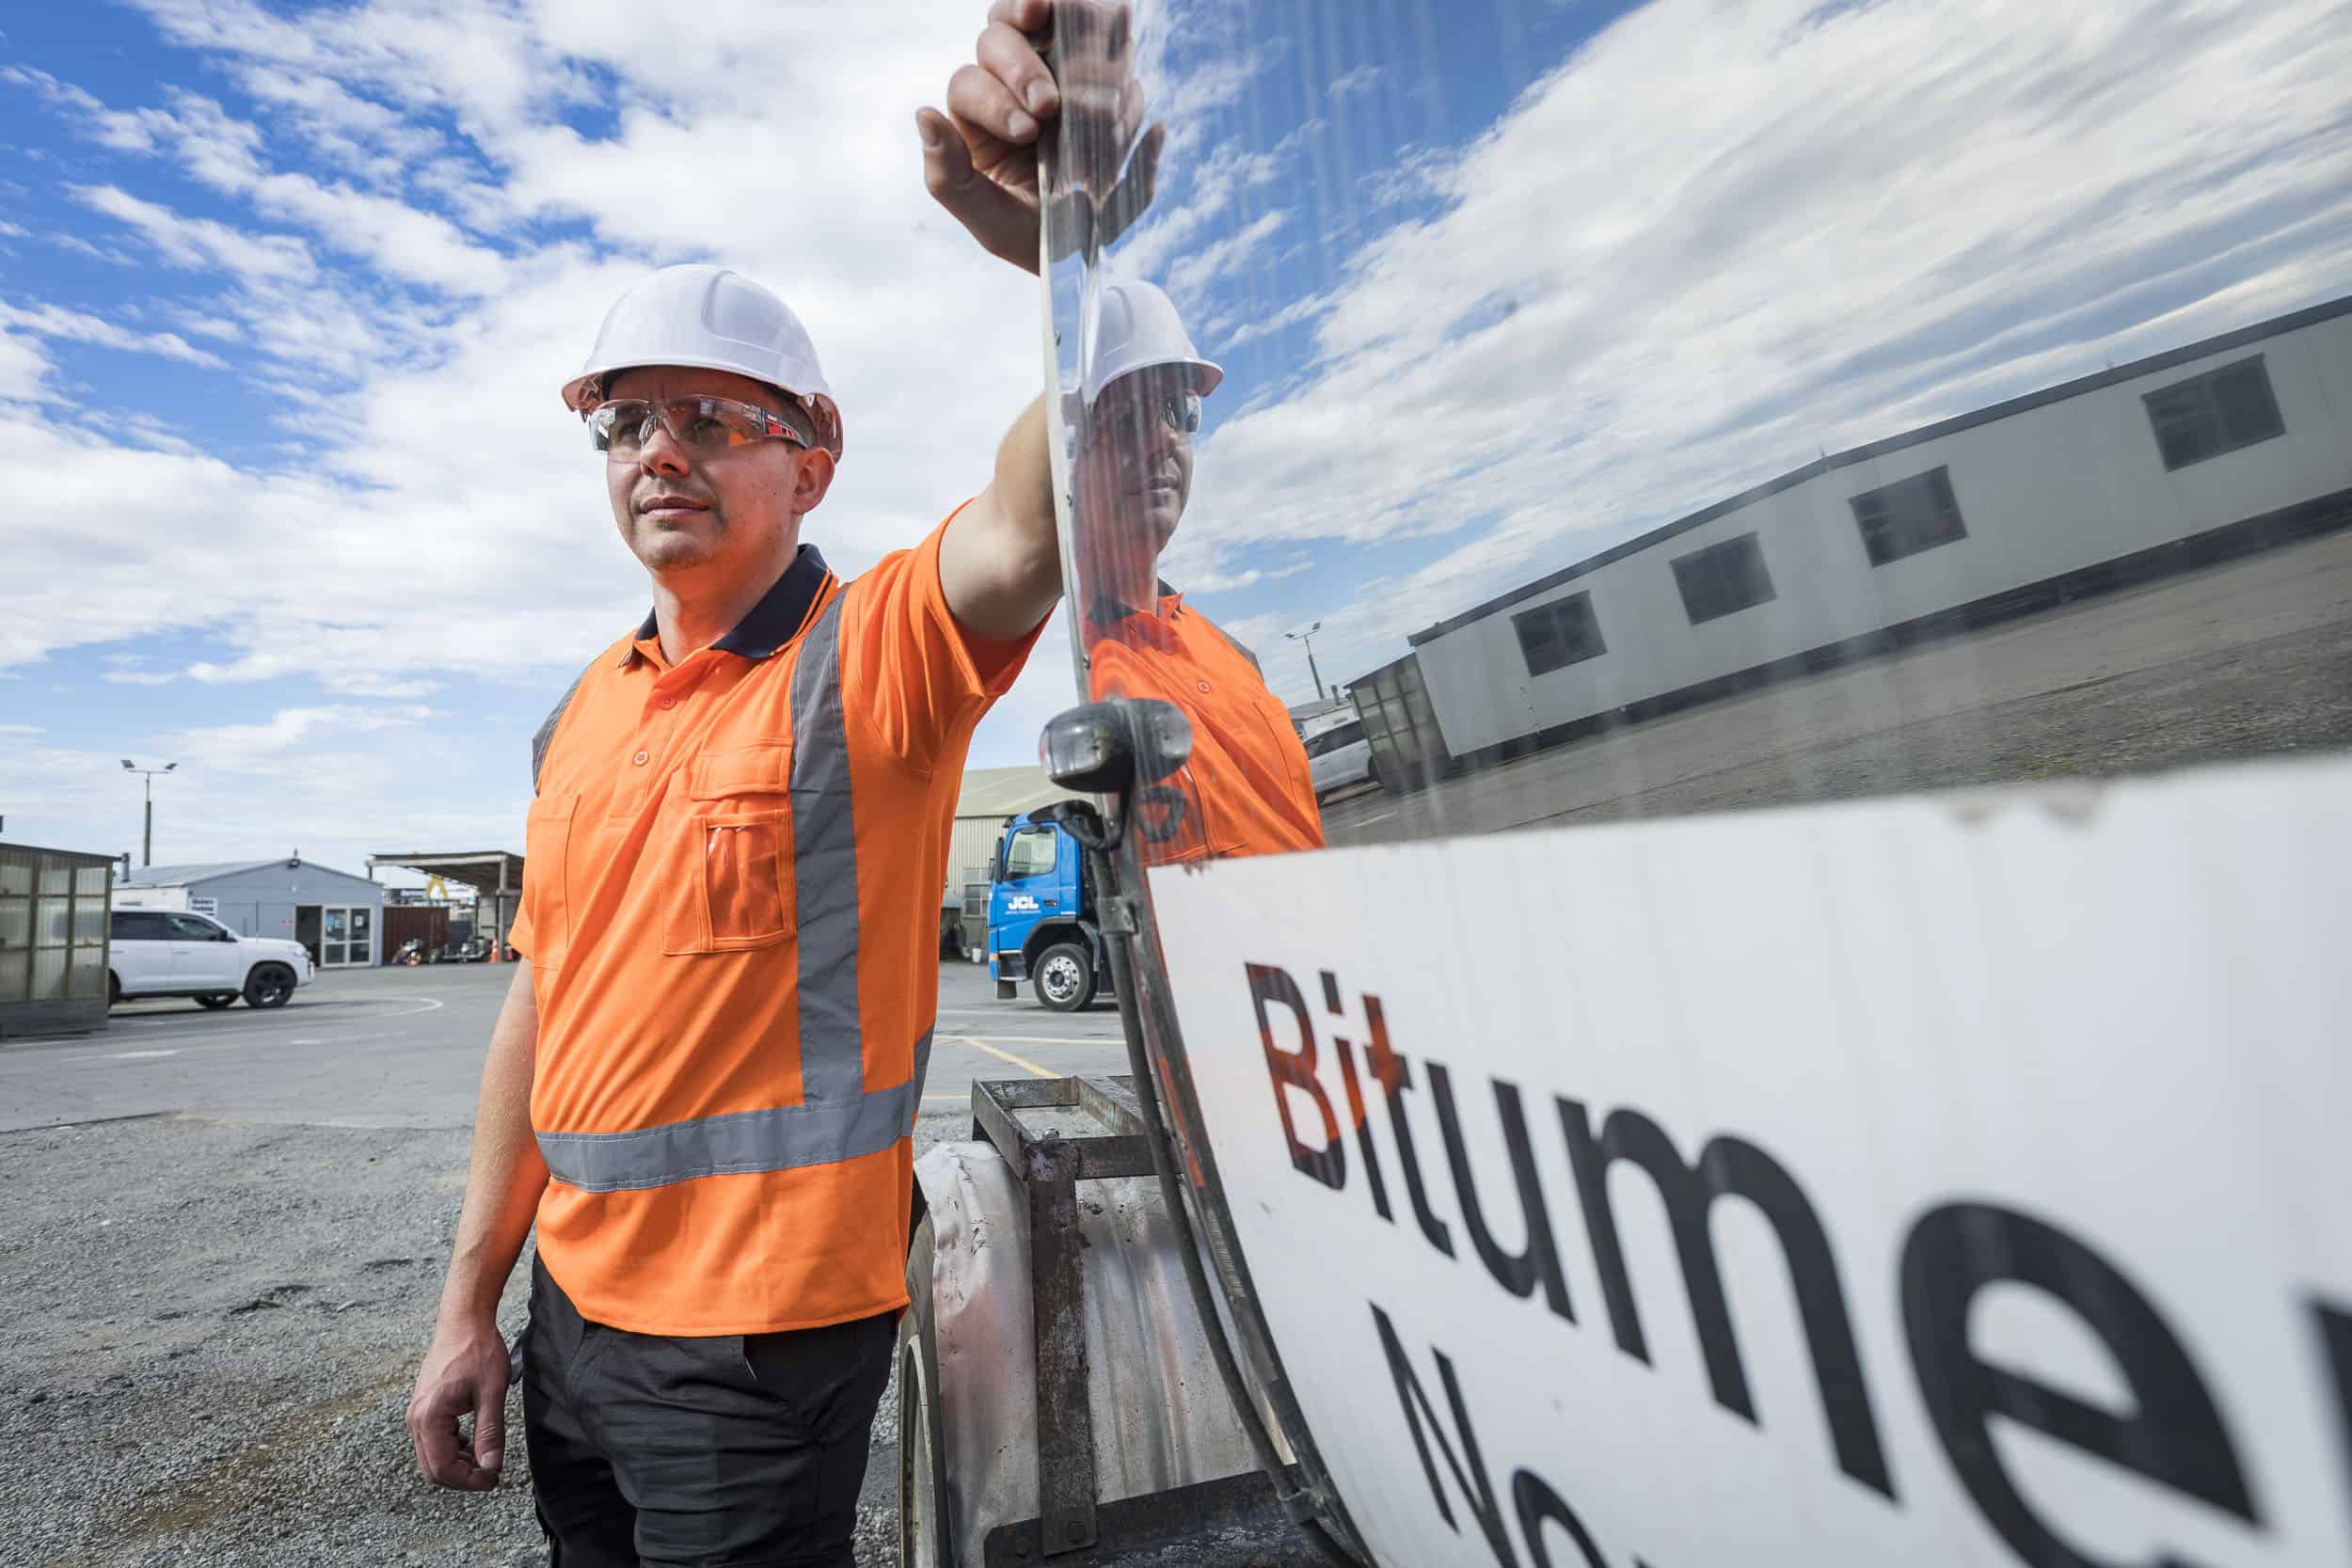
988 796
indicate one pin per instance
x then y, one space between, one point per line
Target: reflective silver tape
741 1142
824 868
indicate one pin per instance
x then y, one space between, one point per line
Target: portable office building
2223 445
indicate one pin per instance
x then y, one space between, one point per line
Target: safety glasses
701 427
1133 417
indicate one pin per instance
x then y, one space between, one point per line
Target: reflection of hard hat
1138 327
711 319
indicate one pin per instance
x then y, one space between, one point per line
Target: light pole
1308 638
147 838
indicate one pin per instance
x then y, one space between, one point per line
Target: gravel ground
207 1335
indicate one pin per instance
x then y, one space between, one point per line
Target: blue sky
286 292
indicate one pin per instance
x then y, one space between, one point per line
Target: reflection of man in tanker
1246 790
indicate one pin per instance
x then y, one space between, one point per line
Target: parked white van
168 952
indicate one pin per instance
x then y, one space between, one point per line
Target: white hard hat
1137 327
711 319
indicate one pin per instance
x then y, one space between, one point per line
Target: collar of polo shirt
768 626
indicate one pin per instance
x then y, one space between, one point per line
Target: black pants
741 1451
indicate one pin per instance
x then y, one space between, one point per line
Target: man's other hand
465 1374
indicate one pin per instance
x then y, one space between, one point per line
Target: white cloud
131 670
429 479
1357 81
402 242
1192 273
23 369
20 729
211 327
110 255
49 321
14 230
133 131
202 242
232 746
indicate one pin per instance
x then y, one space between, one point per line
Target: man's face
743 505
1135 472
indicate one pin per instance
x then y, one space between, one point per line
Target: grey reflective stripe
547 729
786 1138
824 870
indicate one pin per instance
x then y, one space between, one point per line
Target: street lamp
1308 638
147 839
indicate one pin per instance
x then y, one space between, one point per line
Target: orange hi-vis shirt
729 902
1245 789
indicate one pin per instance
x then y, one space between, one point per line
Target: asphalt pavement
403 1047
221 1252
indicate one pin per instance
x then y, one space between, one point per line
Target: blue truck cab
1041 926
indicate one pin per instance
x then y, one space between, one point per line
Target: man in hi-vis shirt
704 1082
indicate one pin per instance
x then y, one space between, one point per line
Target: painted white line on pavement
213 1047
134 1055
427 1005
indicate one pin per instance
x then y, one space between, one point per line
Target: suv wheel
1065 977
217 1000
269 986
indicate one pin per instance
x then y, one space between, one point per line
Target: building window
1559 634
1909 516
1722 578
2217 412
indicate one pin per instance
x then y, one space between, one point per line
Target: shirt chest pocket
733 848
547 888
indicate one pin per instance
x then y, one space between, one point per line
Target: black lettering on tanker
2172 1433
1295 1071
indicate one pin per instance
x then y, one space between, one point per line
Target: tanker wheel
922 1471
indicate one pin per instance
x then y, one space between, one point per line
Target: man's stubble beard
658 548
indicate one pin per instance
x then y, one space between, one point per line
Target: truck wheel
269 986
216 999
1065 977
922 1473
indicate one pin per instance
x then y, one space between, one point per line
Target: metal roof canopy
995 793
78 857
175 874
483 870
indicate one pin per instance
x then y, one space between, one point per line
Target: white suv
165 953
1340 758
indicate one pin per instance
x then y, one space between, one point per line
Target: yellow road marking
1021 1062
1046 1039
